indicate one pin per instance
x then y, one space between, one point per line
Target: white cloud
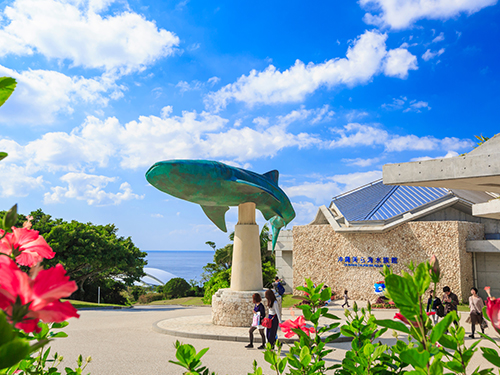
364 59
158 216
439 38
42 94
416 106
428 55
75 30
304 212
407 106
357 134
196 85
322 192
399 14
398 62
141 143
449 154
412 142
90 188
361 162
18 180
452 143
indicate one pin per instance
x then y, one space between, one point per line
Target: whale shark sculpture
215 186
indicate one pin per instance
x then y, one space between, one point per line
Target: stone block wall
317 249
234 308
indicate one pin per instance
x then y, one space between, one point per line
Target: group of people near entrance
440 307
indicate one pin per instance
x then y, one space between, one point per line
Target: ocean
185 264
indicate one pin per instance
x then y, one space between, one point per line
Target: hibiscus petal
27 258
57 311
13 283
52 284
29 325
39 246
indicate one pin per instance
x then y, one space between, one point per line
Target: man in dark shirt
450 300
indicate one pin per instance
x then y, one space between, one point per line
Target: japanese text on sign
356 261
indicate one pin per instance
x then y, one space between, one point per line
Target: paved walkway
201 327
123 342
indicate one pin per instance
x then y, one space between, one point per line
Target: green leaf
7 86
491 356
3 155
454 366
436 368
6 332
448 342
485 315
347 331
403 292
10 218
415 358
440 328
392 324
13 352
326 294
422 278
487 338
59 334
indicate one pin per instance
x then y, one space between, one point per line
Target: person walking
259 314
432 307
450 300
476 305
279 291
346 302
274 316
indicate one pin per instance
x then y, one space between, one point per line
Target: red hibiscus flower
27 245
299 323
406 321
493 310
26 301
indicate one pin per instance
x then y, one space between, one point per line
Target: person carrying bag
259 313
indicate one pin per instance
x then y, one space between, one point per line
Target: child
345 299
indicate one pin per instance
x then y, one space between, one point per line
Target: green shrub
176 288
150 297
219 280
268 273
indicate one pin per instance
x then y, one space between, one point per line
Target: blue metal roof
382 202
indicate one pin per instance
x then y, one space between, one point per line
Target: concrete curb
203 336
105 308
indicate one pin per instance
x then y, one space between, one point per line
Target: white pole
99 295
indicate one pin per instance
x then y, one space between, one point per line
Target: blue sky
325 92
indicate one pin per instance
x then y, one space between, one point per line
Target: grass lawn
82 304
463 308
184 301
289 301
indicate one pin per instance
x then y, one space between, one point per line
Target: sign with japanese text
355 261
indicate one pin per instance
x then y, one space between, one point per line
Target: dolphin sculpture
215 186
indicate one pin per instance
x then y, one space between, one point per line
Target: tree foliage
176 288
217 275
89 253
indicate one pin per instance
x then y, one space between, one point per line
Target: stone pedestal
234 308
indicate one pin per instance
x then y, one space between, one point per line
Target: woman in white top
476 311
274 315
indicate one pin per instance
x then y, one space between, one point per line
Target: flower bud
434 271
